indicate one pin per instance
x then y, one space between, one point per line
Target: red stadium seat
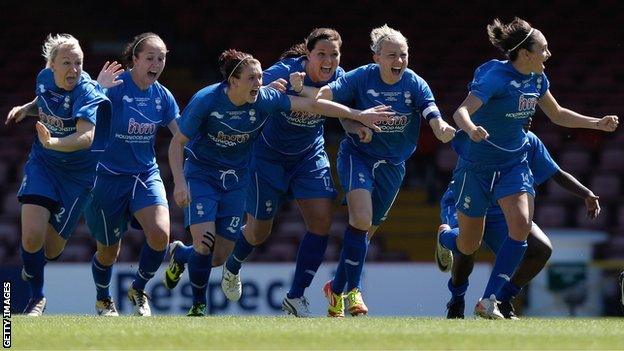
550 215
612 159
607 186
575 161
585 222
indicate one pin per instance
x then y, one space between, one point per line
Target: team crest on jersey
66 102
408 97
252 115
158 104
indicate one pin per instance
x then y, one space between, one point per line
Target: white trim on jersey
144 116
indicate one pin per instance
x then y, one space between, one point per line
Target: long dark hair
303 48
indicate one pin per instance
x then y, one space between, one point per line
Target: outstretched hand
109 73
370 117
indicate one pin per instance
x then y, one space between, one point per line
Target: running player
371 173
492 145
217 130
538 250
60 169
289 161
129 186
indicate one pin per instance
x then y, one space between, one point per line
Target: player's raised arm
568 118
18 113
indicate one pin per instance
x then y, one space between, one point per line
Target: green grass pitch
276 333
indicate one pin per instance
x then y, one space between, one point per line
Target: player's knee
361 221
257 235
520 231
468 247
205 244
107 257
53 253
157 238
32 242
202 249
540 251
320 225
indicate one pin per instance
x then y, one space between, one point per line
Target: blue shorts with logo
479 186
381 178
216 196
276 178
63 194
115 199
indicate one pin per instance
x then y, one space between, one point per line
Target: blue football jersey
136 116
220 133
292 132
59 111
411 99
509 98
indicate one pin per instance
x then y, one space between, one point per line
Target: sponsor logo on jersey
526 106
141 128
